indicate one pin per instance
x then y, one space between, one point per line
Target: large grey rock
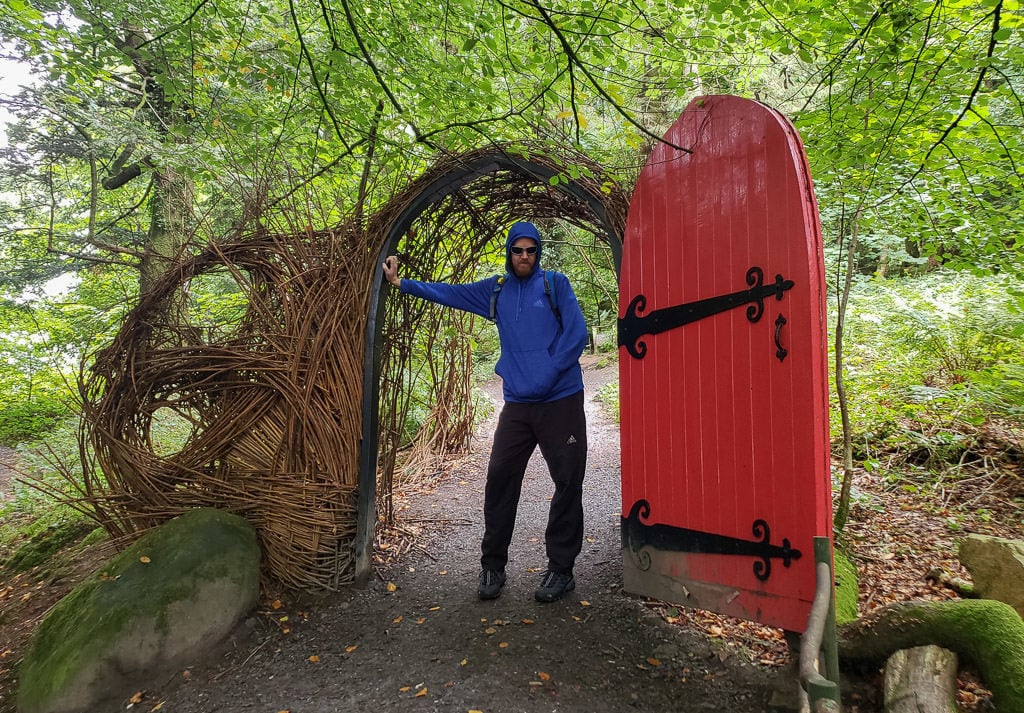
171 595
997 568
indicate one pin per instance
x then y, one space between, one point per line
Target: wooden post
819 639
921 680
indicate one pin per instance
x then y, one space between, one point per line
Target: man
542 335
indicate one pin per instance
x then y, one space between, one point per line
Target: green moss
47 540
163 567
987 634
846 588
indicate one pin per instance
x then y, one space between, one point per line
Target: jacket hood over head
521 229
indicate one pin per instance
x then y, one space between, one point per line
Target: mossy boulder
997 568
170 596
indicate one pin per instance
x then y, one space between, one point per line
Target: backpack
549 290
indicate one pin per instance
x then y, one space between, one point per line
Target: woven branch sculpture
275 402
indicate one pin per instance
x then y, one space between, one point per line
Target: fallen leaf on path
435 608
144 559
350 649
490 631
503 645
653 661
391 587
137 698
543 676
421 620
463 662
314 659
276 604
527 621
584 603
397 619
405 689
420 693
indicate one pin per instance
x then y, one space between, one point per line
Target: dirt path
431 645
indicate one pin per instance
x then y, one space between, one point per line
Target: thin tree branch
573 59
324 101
996 15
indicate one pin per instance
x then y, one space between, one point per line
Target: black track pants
560 429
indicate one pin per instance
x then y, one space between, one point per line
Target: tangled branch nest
272 403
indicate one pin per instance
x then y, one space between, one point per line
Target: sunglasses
519 251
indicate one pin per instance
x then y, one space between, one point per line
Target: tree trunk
843 506
921 680
987 634
169 226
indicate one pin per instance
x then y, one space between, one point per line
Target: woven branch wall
274 403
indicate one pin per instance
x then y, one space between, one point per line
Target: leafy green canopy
910 110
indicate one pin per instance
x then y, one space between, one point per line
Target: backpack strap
492 313
549 290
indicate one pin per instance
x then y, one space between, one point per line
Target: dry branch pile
274 403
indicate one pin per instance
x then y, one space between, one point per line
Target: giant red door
722 360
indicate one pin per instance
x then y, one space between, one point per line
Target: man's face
523 263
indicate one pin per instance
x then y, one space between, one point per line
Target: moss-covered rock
997 568
172 594
41 546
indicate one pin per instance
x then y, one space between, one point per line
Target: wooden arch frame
437 190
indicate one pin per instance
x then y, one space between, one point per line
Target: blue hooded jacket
540 361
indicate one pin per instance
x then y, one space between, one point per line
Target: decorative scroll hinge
636 535
632 326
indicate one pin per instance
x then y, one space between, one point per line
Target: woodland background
149 130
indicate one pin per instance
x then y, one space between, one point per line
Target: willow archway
535 185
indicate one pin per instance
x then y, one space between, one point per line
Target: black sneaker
554 586
491 582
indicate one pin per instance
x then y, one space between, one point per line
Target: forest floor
417 638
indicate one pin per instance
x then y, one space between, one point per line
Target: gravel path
418 639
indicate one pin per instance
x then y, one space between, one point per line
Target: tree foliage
153 128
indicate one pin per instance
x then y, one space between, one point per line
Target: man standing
542 335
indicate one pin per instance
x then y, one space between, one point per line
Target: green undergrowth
608 397
934 370
39 530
